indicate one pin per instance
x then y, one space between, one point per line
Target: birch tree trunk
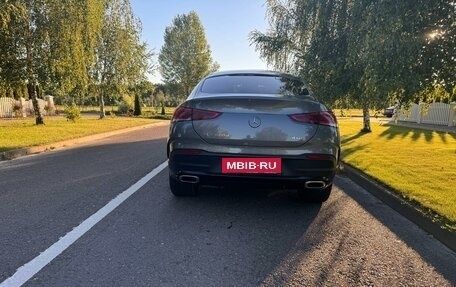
366 120
36 107
102 106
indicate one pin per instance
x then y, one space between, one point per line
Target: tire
315 195
182 189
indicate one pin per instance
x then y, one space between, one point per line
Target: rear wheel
181 188
315 195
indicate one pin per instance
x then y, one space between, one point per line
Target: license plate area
252 165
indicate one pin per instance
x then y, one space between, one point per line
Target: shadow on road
431 251
246 233
223 237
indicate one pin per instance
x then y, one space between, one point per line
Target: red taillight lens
182 114
204 115
188 114
318 118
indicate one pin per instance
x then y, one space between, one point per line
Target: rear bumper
295 170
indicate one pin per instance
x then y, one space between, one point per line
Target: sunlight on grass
24 133
420 164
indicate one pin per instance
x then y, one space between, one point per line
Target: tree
137 110
122 60
48 46
74 29
310 39
24 47
185 57
438 54
70 48
369 52
12 64
36 51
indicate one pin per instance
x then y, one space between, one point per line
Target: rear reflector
188 114
318 118
188 151
319 157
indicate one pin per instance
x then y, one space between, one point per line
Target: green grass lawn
19 133
419 164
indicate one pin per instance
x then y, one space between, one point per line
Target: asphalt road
220 238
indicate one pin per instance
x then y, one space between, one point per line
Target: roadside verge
403 206
11 154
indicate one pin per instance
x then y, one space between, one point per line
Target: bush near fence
10 108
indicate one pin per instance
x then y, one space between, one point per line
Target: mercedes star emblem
255 122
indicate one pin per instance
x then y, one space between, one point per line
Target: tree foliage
185 57
122 59
137 110
70 49
363 52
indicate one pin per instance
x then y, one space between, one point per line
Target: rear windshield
254 84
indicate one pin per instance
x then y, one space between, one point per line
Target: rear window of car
254 84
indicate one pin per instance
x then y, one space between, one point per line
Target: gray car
253 127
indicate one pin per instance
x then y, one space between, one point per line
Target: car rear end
249 136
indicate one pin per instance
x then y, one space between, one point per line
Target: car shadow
286 234
246 231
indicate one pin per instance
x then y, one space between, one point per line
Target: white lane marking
27 271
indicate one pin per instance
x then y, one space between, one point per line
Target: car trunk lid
262 121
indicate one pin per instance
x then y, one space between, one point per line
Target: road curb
12 154
402 206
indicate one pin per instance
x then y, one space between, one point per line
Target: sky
227 26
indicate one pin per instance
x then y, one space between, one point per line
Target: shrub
162 117
148 114
111 113
126 105
49 110
17 110
72 113
123 108
163 110
137 111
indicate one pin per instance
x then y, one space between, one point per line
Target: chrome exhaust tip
189 179
315 184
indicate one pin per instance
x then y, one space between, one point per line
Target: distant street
223 237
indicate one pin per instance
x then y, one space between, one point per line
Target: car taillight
318 118
182 114
188 114
204 115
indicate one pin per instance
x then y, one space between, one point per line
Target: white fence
436 113
10 108
7 107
